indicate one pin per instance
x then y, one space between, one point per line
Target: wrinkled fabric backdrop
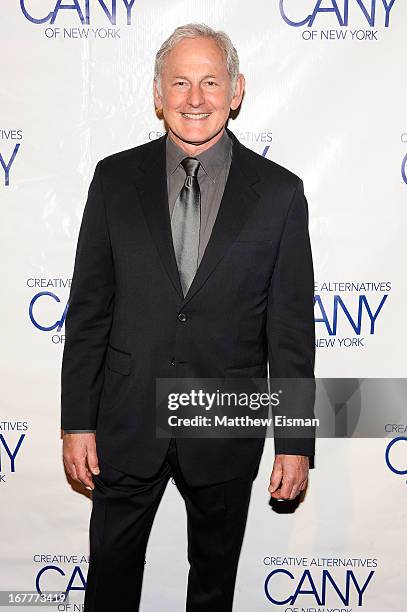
325 97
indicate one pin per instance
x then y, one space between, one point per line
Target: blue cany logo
307 586
396 470
404 168
364 310
58 324
76 576
11 452
84 10
371 10
6 165
330 320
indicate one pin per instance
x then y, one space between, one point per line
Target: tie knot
191 166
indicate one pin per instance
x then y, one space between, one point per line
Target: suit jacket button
173 361
182 317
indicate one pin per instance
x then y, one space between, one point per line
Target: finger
275 479
304 485
295 491
298 488
92 460
276 494
66 466
84 476
72 471
286 489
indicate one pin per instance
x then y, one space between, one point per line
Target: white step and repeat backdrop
326 97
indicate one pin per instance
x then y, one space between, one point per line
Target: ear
157 98
238 93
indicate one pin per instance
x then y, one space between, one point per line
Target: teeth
195 116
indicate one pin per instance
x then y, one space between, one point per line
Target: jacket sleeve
89 316
291 328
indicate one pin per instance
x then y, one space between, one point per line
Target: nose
196 96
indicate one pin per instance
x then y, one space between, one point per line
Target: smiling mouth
195 115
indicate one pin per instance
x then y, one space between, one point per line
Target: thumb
93 462
275 478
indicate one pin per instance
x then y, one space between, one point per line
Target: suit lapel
238 200
152 188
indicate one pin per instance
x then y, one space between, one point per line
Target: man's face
196 95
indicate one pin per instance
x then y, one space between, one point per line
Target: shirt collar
212 160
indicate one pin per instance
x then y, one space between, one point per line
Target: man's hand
80 458
289 476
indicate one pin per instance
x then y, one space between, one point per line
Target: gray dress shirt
212 176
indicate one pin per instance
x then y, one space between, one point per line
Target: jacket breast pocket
118 361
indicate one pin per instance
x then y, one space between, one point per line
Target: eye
210 83
180 83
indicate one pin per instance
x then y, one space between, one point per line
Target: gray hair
198 30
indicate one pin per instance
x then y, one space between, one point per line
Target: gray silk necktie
185 224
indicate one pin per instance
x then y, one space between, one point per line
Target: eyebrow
207 76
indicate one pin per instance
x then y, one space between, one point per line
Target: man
193 260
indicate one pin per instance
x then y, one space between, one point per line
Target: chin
197 137
196 134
